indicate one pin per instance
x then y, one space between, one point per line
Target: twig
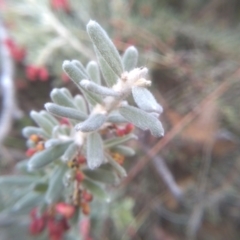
195 219
9 105
67 35
165 174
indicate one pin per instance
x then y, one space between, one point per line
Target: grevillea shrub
77 147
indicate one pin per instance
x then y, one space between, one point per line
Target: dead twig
9 105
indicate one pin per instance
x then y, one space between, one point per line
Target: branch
9 106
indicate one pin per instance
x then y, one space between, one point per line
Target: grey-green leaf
80 103
74 72
145 100
55 188
98 89
112 142
93 123
115 117
80 66
42 122
100 175
28 131
124 150
130 58
109 75
94 150
45 157
17 180
60 98
142 120
105 46
48 116
95 189
71 152
27 202
93 72
118 168
65 112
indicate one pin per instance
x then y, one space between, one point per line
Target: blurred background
184 186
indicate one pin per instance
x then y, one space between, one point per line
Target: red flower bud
88 197
32 72
129 128
43 74
30 152
120 132
61 5
37 225
79 176
65 209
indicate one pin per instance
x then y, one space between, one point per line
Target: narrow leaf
73 71
71 152
94 150
28 131
76 74
115 117
100 175
80 103
42 122
145 100
95 189
93 72
47 156
118 168
105 46
79 65
124 150
60 98
118 140
109 75
65 112
48 116
27 202
55 188
93 123
17 180
142 120
97 89
130 58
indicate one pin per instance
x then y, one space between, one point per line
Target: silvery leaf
105 46
130 58
94 150
93 123
142 120
66 112
145 100
93 72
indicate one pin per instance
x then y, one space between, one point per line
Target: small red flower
65 209
32 72
64 121
129 128
30 152
18 53
65 78
88 197
79 176
37 225
120 132
43 74
61 5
